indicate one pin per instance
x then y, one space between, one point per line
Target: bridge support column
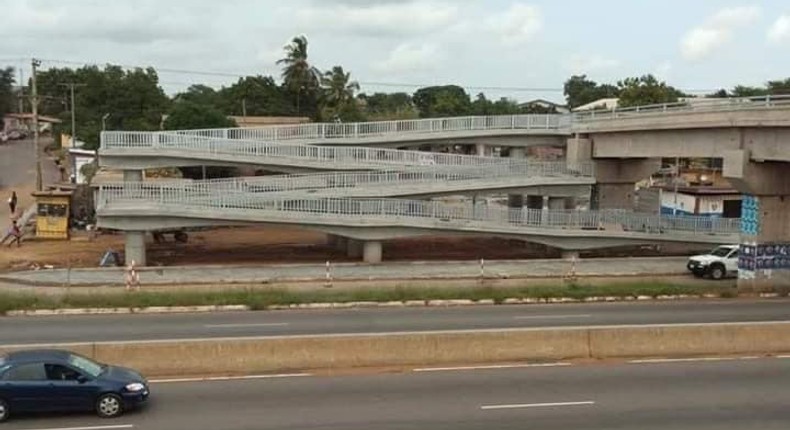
353 248
617 180
372 252
134 249
482 150
518 152
765 220
570 255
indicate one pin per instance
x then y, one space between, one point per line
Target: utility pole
39 182
71 86
21 91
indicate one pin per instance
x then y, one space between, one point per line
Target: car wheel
717 272
109 406
4 411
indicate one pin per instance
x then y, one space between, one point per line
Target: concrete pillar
372 252
616 180
765 220
132 175
481 149
135 248
570 255
354 248
518 152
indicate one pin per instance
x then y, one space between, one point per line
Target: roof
29 116
36 355
541 101
607 103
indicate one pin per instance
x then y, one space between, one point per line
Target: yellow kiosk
52 220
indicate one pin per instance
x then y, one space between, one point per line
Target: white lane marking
230 378
690 360
120 426
245 325
783 356
536 405
546 317
497 366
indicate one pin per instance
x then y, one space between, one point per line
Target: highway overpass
622 146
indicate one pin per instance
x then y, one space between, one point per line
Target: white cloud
410 58
780 30
583 63
517 25
663 70
716 31
380 19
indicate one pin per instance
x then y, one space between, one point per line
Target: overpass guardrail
219 203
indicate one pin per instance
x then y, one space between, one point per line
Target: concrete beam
133 176
134 249
372 252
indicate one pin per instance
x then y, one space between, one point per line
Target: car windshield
88 366
721 251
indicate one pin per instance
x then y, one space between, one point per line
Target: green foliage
779 87
387 107
646 90
262 298
441 101
133 98
300 79
338 96
580 91
260 95
7 95
190 115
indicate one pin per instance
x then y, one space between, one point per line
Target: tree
746 91
646 90
299 77
258 95
133 99
6 90
339 89
779 87
385 107
441 101
580 91
186 115
200 94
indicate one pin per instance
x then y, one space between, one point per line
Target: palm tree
298 74
338 87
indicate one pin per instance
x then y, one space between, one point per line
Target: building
23 122
608 103
544 105
712 202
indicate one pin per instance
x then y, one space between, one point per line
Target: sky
521 49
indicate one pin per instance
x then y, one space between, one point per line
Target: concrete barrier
326 352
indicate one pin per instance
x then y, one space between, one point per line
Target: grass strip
260 299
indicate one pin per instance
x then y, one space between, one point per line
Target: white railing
384 181
360 130
697 105
127 142
225 203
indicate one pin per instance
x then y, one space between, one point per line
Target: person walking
15 233
132 278
12 202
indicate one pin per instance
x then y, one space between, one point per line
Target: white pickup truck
719 263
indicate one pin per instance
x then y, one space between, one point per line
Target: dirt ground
269 245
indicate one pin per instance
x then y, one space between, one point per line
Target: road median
256 355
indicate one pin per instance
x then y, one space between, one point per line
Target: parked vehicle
61 381
719 263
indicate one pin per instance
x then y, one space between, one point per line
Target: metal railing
187 145
381 181
224 203
696 106
362 130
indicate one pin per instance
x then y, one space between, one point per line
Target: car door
28 388
71 388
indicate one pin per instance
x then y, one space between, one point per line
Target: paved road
699 396
388 270
27 330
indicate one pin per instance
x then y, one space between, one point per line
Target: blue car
61 381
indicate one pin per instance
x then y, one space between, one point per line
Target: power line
362 83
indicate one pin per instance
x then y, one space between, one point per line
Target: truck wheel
717 272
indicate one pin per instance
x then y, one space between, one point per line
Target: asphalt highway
731 395
33 330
